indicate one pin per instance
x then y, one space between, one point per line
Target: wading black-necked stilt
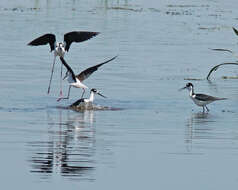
85 101
61 47
76 80
200 99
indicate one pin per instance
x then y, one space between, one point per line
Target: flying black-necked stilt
200 99
76 80
61 47
85 101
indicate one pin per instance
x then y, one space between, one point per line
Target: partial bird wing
77 36
220 49
77 103
227 50
236 31
43 40
204 97
216 67
68 68
86 73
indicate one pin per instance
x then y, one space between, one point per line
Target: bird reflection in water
197 128
70 148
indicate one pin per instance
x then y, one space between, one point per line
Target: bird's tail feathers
221 98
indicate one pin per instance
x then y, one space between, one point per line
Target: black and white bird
85 101
76 80
60 48
200 99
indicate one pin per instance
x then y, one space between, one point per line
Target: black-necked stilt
61 47
200 99
85 101
76 80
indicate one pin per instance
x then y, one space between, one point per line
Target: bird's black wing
236 31
216 67
77 36
220 49
43 40
204 97
78 102
68 68
86 73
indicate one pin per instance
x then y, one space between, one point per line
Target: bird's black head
189 85
94 90
97 92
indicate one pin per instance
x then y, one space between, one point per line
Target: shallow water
158 138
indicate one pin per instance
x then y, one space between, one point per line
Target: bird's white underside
199 102
76 84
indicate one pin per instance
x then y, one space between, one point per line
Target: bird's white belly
199 102
59 52
87 101
78 84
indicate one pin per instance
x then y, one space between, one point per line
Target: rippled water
155 138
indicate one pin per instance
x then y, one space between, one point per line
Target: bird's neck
191 93
59 50
91 97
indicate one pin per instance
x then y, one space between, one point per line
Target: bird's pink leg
61 74
83 93
52 70
60 98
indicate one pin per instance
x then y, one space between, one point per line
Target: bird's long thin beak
101 95
182 88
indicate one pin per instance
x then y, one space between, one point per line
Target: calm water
160 139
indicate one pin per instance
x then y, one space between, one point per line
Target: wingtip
112 58
236 31
94 34
115 57
31 44
220 49
222 98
